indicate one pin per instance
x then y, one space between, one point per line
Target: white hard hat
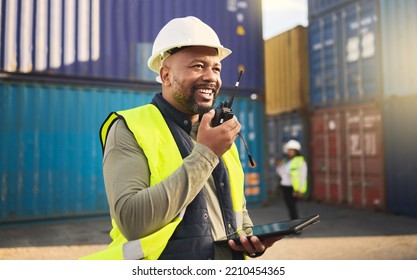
181 32
292 144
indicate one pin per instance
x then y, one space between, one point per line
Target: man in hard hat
175 184
292 172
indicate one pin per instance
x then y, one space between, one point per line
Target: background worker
174 184
292 172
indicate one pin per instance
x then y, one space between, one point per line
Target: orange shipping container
286 71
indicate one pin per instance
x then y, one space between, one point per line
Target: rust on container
327 156
364 157
347 161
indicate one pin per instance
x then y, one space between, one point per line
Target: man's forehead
196 53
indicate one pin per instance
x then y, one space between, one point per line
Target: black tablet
276 229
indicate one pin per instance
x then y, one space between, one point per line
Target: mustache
211 86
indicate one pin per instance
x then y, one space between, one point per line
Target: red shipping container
347 160
365 157
327 156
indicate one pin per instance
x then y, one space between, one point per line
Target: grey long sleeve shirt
140 210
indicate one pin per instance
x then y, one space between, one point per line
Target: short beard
190 103
202 111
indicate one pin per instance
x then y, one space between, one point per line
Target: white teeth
206 91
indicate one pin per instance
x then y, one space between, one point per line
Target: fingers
255 245
234 127
252 245
229 125
220 138
206 119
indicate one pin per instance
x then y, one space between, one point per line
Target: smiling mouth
206 93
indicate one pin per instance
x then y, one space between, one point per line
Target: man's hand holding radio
219 139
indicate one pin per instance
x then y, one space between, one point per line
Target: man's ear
164 75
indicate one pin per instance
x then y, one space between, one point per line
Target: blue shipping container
50 154
345 56
363 51
323 56
320 7
400 134
50 150
109 39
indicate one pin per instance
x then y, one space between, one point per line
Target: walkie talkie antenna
235 89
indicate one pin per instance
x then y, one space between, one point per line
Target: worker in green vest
174 182
292 172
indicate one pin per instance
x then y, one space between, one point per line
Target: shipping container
399 47
323 61
50 149
347 156
286 71
280 129
319 7
50 154
362 51
107 39
327 156
400 134
345 56
365 157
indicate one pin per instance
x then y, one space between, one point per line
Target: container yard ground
342 234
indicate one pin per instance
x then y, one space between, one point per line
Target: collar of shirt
170 112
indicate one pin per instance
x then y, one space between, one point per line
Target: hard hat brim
155 61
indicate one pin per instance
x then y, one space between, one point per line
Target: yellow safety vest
154 137
299 182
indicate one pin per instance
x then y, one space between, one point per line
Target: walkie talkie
224 111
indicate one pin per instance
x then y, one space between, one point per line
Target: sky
279 16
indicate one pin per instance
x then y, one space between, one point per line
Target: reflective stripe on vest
151 133
298 180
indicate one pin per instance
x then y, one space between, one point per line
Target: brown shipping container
347 161
286 71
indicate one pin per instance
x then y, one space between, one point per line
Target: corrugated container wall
347 156
327 155
109 39
318 7
362 50
344 55
286 71
400 132
50 149
279 129
50 154
399 46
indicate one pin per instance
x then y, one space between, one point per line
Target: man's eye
217 69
